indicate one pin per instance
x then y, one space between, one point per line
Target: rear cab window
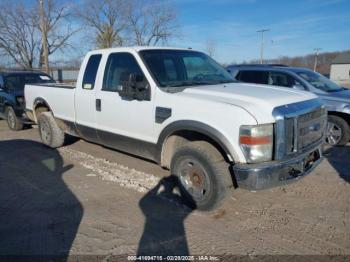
91 72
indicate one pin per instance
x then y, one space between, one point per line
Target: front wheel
13 122
203 174
338 133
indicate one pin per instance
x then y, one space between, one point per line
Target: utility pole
262 31
316 56
43 27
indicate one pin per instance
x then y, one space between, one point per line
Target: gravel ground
84 199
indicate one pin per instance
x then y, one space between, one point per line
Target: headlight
257 142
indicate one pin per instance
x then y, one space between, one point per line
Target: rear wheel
203 174
13 122
50 133
338 133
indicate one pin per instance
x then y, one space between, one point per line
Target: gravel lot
84 199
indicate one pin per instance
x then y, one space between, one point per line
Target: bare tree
210 47
133 22
53 18
31 33
150 22
18 34
107 18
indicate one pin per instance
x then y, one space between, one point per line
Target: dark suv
335 97
12 103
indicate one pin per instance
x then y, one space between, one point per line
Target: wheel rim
45 132
194 179
11 119
334 133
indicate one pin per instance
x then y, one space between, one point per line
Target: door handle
98 105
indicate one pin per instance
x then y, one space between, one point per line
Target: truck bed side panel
59 98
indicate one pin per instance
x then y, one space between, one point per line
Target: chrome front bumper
277 173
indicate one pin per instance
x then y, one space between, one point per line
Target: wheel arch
179 132
343 115
40 105
8 103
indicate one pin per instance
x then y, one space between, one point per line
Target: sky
296 27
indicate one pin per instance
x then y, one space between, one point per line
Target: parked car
335 97
181 109
12 103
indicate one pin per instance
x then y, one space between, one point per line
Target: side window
91 71
14 82
281 79
118 68
250 76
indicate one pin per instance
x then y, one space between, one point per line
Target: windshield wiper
196 83
335 90
227 81
188 83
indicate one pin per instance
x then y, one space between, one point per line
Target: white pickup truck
181 109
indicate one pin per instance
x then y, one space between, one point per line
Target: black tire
50 133
207 180
338 132
13 121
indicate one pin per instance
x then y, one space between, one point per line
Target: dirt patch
118 207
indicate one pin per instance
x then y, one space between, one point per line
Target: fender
40 100
190 125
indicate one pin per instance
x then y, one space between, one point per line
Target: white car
181 109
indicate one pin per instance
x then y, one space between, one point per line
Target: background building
340 69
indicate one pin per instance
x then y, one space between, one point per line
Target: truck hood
258 100
341 96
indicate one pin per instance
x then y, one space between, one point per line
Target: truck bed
59 97
58 85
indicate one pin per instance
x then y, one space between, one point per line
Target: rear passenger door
85 103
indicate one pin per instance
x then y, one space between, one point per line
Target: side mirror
133 87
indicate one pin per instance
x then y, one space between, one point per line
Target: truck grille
304 130
310 128
298 126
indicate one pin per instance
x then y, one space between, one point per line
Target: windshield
319 81
177 68
16 82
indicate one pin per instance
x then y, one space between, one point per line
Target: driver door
123 124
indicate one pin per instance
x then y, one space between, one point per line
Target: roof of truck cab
265 67
137 49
